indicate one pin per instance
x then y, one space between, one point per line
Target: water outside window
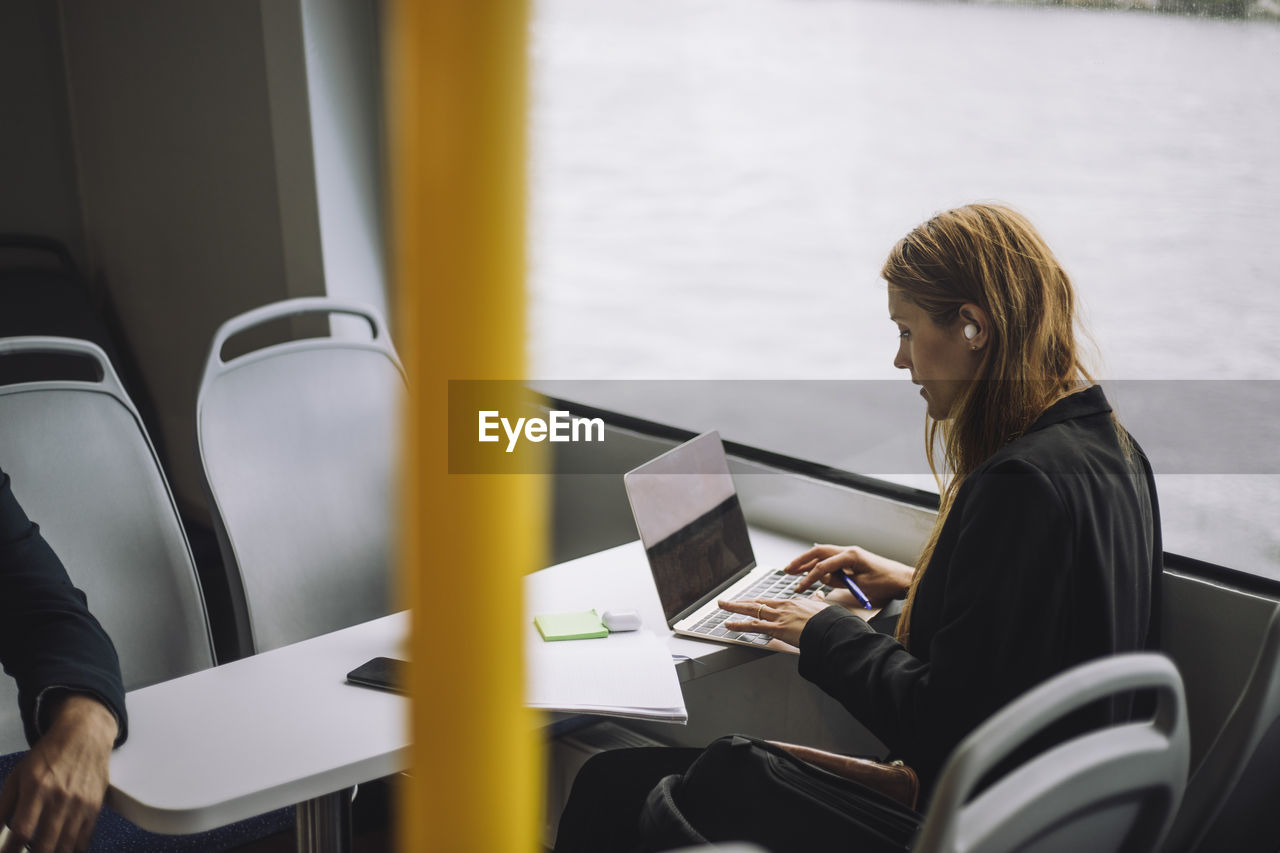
715 184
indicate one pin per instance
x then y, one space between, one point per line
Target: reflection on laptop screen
690 522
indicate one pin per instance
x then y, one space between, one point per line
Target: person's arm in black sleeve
1002 610
49 641
70 693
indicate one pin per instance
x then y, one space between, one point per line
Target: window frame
1215 572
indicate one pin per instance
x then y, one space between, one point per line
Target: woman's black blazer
1050 556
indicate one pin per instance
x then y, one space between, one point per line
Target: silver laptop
695 536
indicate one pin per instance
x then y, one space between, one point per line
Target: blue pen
857 593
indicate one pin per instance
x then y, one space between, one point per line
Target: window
715 185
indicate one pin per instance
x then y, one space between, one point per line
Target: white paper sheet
628 674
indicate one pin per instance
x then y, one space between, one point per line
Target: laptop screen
690 522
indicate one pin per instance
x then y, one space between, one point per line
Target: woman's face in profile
938 357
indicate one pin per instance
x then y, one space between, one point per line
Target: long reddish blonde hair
990 256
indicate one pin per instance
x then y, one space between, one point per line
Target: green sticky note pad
584 625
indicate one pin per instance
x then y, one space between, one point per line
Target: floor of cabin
371 818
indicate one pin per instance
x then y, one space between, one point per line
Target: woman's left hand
781 618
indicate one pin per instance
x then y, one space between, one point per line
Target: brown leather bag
895 780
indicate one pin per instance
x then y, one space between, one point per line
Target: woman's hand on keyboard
879 577
781 618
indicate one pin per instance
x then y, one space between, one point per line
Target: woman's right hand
879 577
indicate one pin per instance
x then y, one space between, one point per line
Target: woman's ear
975 325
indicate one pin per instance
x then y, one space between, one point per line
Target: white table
283 727
619 578
268 731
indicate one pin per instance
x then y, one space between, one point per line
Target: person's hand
51 800
879 577
781 618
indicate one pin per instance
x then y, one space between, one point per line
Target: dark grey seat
42 293
299 442
1231 800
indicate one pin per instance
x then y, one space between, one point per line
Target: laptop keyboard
778 584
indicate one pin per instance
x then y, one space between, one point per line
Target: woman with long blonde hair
1046 551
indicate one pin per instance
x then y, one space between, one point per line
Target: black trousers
604 805
603 811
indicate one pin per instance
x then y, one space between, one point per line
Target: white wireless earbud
970 332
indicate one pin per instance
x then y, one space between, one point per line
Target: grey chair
1113 789
83 468
1232 796
299 443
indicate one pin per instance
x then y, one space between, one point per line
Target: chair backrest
299 443
1112 789
1232 797
83 468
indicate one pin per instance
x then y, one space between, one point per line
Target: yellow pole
456 84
